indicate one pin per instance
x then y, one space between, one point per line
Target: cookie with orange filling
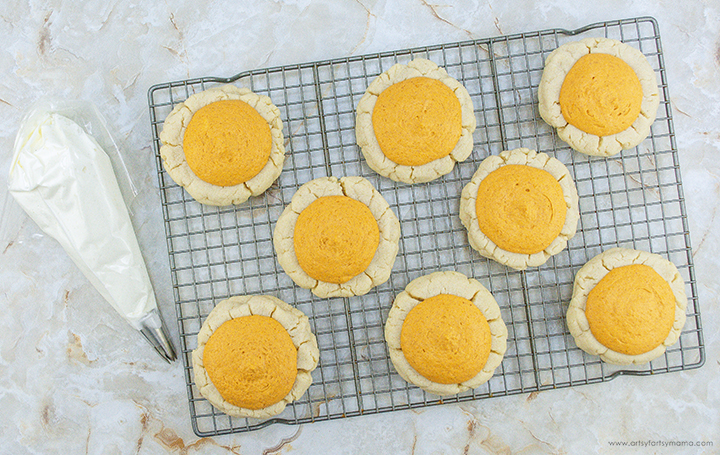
445 333
223 145
255 355
337 237
520 208
600 94
414 122
627 306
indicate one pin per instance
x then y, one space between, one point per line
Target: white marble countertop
77 379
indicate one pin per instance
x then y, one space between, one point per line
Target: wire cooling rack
634 200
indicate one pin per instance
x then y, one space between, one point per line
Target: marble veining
77 379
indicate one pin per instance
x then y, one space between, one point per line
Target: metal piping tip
153 329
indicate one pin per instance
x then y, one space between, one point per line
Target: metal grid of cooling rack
634 200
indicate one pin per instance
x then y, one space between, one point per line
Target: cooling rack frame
634 200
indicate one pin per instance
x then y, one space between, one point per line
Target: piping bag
66 182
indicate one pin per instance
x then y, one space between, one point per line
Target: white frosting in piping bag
65 182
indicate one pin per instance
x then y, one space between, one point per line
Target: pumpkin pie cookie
337 237
520 208
600 94
223 145
445 333
414 122
627 306
254 356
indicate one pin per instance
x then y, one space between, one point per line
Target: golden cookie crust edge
365 135
173 156
559 63
486 247
356 188
292 319
592 272
445 282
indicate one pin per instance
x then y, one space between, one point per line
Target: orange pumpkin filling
335 238
631 310
520 208
417 121
446 339
227 143
252 361
601 95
